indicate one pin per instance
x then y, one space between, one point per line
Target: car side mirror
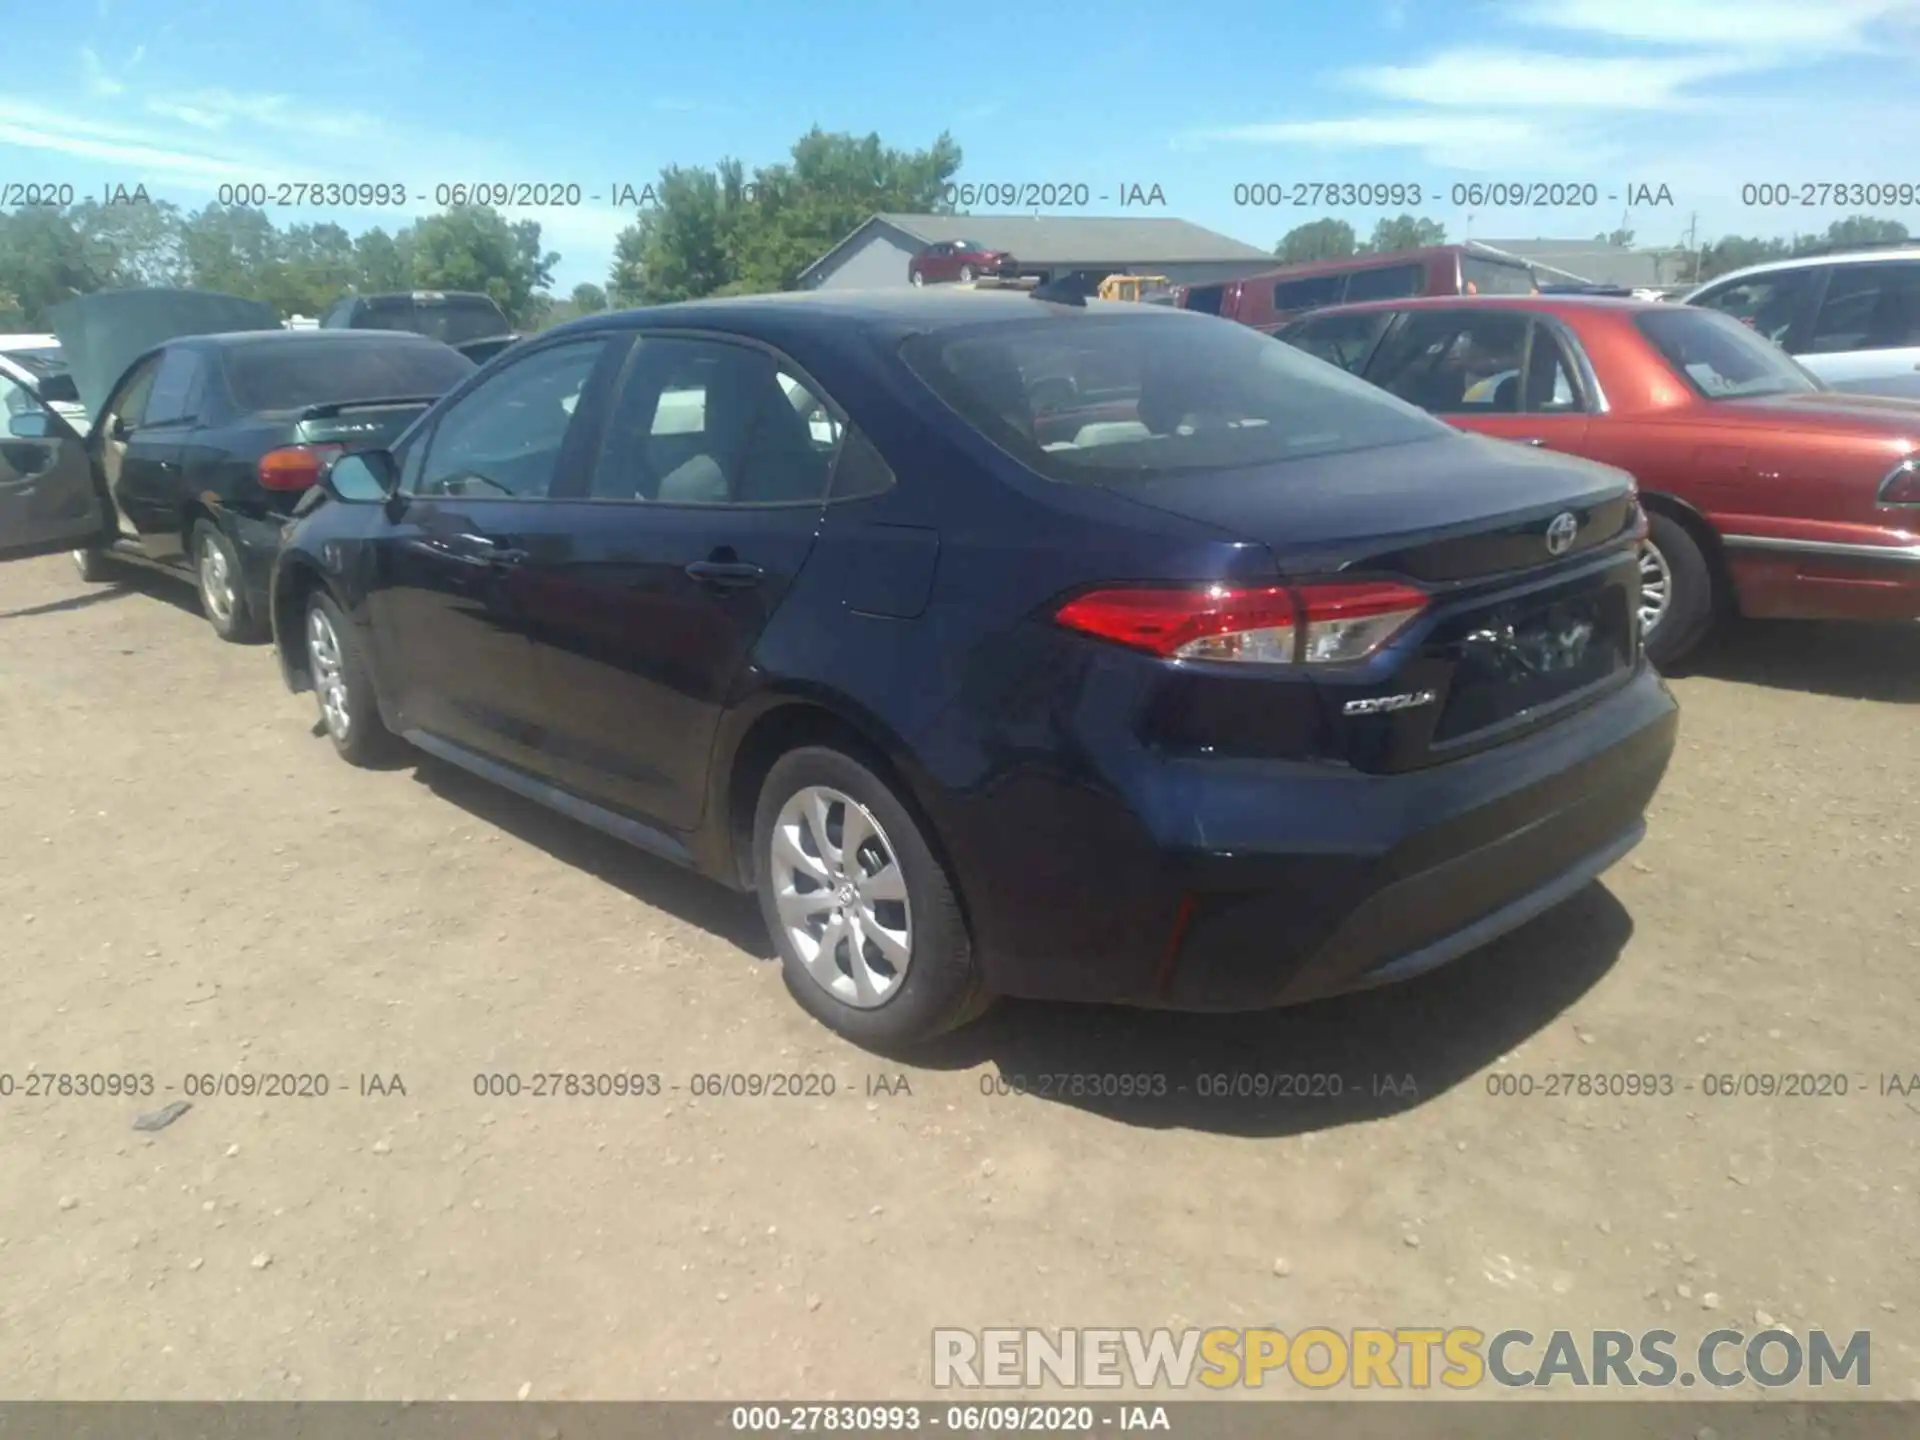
366 477
30 425
118 429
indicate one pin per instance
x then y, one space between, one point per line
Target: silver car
1851 318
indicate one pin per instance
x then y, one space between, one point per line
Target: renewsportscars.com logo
1458 1358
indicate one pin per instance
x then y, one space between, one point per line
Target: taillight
1902 485
296 467
1321 624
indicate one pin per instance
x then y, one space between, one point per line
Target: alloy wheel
841 896
1656 587
216 582
329 673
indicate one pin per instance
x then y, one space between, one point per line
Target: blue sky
1701 96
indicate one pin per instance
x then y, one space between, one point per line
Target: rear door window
174 386
1868 307
1455 362
1770 304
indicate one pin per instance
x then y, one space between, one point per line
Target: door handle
726 574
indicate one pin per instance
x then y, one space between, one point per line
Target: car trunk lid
1528 560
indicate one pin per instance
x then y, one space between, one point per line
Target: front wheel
1676 592
868 928
348 707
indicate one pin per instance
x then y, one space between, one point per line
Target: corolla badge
1387 704
1562 532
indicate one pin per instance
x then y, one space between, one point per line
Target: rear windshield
275 376
452 318
1100 398
40 362
1721 358
1480 276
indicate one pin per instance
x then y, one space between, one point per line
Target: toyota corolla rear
1326 693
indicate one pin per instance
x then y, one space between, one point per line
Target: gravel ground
191 885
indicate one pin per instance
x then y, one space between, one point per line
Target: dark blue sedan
1006 645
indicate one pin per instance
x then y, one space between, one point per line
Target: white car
32 366
1853 319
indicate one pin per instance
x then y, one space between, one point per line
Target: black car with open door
209 421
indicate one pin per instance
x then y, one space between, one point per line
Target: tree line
698 231
1331 239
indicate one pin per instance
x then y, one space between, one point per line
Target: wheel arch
1658 502
295 578
781 723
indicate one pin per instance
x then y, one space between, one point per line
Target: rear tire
966 274
223 587
917 278
1688 612
95 567
889 891
344 687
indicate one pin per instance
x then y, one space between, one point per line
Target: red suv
1269 300
961 260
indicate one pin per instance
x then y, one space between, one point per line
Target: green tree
588 299
233 249
472 248
1621 239
43 260
1864 230
1323 239
383 263
133 246
716 231
316 267
1404 232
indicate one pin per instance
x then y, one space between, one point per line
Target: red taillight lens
296 467
1902 485
1326 624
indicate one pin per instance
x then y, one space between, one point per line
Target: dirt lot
192 885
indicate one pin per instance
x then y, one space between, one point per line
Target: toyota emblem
1562 532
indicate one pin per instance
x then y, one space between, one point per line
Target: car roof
286 339
1801 262
899 311
1551 304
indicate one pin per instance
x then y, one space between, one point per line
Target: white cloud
1443 140
99 82
1518 79
1804 27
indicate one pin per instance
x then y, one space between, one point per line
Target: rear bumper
1315 880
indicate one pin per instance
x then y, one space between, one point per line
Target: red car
1768 494
961 260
